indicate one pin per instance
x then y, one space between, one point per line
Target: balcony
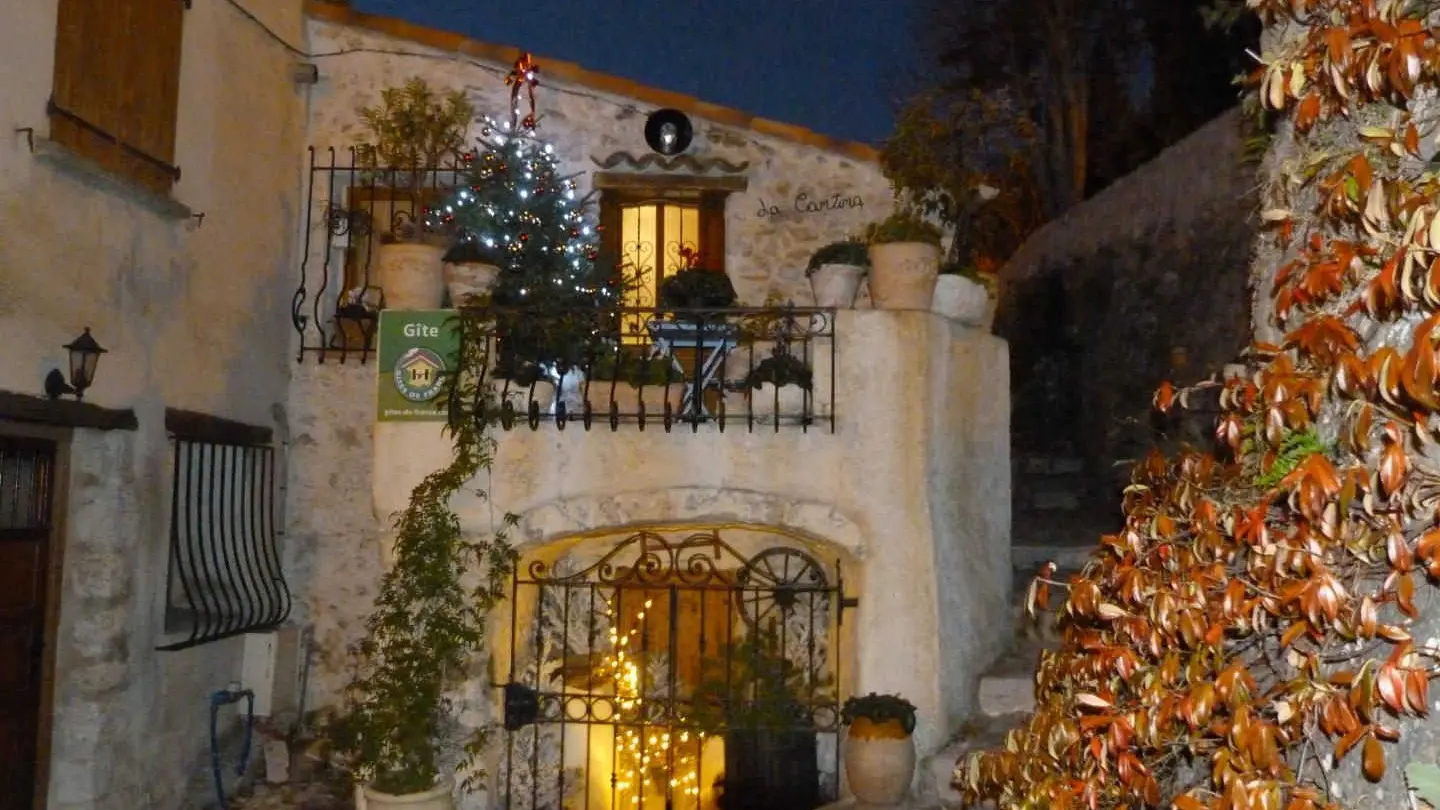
727 369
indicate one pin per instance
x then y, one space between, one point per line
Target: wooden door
27 479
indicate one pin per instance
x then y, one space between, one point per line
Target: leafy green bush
880 709
851 251
903 226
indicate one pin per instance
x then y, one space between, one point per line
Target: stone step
937 772
1029 558
1009 686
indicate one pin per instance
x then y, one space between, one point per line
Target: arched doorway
671 670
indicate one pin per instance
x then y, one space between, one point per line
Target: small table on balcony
712 343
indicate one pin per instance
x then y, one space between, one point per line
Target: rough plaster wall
764 255
333 550
193 317
1094 302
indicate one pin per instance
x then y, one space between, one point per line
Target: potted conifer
904 261
879 749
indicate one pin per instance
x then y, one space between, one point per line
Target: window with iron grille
225 575
116 86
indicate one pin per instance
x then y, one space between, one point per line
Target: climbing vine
1253 620
430 615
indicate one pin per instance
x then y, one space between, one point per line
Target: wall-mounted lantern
84 355
668 132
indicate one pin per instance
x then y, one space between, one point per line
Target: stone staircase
1007 690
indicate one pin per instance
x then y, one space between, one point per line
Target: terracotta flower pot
902 274
836 285
412 274
879 761
437 798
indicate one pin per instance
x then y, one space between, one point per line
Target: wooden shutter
712 228
117 83
610 228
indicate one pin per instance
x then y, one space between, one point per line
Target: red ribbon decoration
522 75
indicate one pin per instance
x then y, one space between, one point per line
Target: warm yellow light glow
636 750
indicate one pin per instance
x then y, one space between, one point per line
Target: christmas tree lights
526 217
650 762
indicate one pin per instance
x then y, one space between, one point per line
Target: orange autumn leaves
1251 619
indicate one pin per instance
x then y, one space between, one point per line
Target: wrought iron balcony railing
348 210
654 368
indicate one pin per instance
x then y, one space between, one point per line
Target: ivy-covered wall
1145 282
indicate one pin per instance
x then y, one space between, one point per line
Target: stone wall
195 316
1145 282
930 545
769 233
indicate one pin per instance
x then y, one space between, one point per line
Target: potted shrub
470 273
778 385
835 272
879 749
412 131
762 703
631 381
697 288
904 261
410 267
963 294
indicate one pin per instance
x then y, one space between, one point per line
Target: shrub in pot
835 272
470 273
413 129
904 261
630 382
411 267
697 288
963 294
879 748
778 385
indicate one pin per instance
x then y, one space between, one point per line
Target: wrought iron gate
674 673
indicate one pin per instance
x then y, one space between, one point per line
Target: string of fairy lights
650 763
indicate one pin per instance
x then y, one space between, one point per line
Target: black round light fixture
669 131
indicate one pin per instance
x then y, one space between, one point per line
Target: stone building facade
192 282
167 229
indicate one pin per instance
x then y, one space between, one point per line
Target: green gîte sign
416 348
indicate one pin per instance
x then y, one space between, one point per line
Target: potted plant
413 130
697 288
761 702
904 261
649 381
963 293
778 385
399 725
470 272
835 272
410 266
879 749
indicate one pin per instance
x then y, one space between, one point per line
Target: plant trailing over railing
428 623
1256 617
780 369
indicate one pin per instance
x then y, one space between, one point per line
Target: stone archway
591 515
576 591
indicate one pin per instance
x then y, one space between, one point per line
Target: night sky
835 66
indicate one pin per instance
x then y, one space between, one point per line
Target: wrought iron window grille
224 571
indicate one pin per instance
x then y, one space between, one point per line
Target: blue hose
225 697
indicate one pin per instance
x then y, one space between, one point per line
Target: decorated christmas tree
517 209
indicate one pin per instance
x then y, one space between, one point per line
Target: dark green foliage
697 288
751 684
636 369
851 251
428 622
879 708
903 226
780 369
